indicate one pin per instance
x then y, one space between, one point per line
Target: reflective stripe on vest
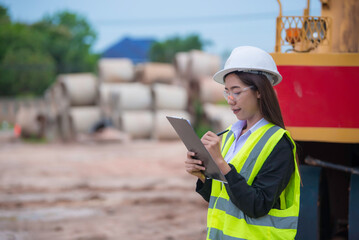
229 134
267 220
218 234
226 221
251 160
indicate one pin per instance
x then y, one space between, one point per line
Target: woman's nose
230 99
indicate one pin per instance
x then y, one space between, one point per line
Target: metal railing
303 34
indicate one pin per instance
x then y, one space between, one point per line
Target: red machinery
318 58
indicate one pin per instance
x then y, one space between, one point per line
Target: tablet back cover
194 144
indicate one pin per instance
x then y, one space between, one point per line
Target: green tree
32 55
19 36
23 61
25 73
166 50
69 40
4 17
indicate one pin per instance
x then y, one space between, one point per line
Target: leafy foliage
165 51
32 55
69 39
4 17
32 71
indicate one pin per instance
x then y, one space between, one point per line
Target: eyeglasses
234 96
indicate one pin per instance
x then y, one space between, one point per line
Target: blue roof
134 49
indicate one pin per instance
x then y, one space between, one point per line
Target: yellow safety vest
226 221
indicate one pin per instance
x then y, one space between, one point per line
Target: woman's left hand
213 145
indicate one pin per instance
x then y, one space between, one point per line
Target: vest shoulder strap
226 138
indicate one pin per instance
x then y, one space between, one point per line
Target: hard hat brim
219 76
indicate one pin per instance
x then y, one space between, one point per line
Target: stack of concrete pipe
116 70
80 89
139 106
9 108
196 69
130 105
136 98
196 64
220 116
112 73
57 122
215 107
52 130
31 118
32 121
210 91
73 104
150 73
125 102
80 92
168 100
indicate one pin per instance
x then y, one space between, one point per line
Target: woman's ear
258 95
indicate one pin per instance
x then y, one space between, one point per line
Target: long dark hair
268 102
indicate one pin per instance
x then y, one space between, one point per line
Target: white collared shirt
240 140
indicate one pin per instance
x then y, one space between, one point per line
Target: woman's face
245 106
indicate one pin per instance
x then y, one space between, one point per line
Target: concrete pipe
116 70
52 102
220 116
169 97
32 121
163 130
181 61
130 96
65 126
149 73
59 102
210 91
105 91
202 64
138 124
83 119
79 89
52 129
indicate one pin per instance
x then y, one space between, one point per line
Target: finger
200 168
193 161
190 154
211 134
214 138
205 141
211 137
194 168
208 138
206 134
209 142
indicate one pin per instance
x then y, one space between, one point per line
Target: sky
223 24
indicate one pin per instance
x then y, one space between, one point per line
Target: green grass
35 140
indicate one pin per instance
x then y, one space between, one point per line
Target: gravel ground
96 191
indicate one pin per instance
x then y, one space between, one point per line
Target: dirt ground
98 191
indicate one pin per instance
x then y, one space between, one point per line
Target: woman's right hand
194 166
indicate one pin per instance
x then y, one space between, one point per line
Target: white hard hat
252 60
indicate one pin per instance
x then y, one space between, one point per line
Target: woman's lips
235 111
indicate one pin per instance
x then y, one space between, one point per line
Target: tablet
192 142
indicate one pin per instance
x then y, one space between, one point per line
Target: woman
257 156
